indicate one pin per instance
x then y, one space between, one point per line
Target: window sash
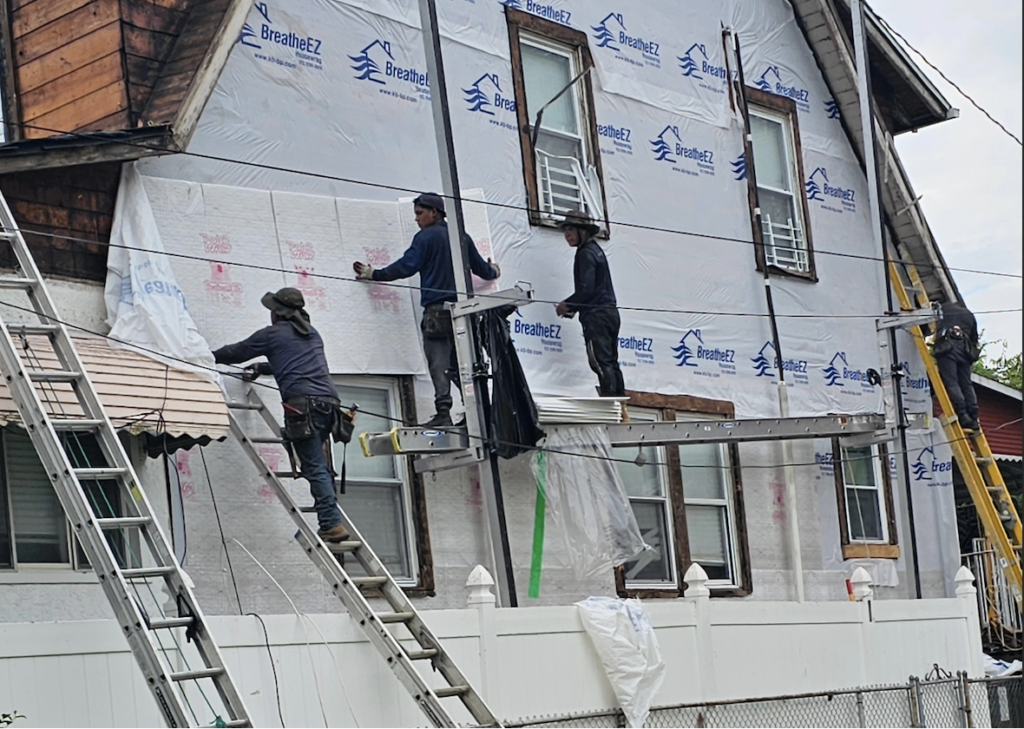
876 487
725 503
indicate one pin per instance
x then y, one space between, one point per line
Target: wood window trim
518 20
857 549
670 406
783 105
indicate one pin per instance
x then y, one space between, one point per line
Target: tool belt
437 322
303 414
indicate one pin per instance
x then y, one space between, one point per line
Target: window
34 531
864 492
779 182
688 503
563 170
382 495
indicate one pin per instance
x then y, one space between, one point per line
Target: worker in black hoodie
956 348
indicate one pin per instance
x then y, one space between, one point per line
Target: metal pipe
867 123
792 518
475 393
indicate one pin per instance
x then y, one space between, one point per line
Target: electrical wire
505 206
220 528
273 665
947 79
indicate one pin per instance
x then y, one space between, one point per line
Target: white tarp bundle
356 110
625 641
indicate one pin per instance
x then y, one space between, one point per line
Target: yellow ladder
971 450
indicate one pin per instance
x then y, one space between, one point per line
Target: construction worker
430 256
956 348
595 301
295 354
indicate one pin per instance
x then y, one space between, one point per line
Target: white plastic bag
625 641
587 501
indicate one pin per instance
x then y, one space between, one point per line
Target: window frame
773 106
672 406
402 406
888 547
557 35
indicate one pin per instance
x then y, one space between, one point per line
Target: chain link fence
942 701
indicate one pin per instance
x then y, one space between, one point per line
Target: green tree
1005 369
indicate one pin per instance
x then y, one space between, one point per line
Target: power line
948 80
505 206
493 296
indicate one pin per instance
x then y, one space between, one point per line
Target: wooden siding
76 202
151 30
999 415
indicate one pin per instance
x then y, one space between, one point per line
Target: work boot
335 534
969 423
443 419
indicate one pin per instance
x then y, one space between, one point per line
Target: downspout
792 521
867 119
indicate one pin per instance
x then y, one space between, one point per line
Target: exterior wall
1000 420
524 662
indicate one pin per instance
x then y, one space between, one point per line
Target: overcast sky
967 169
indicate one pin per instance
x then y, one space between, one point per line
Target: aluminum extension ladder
974 457
328 559
59 407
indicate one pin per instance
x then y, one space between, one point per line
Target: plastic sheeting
587 501
145 304
625 641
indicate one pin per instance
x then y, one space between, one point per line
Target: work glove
250 373
496 267
364 271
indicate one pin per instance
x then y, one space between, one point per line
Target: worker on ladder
430 256
955 349
594 299
296 359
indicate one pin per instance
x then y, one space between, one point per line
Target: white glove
364 271
495 266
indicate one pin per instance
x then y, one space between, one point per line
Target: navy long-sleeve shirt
295 360
430 256
593 279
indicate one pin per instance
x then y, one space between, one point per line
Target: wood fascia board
209 71
88 153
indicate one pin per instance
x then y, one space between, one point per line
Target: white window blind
39 525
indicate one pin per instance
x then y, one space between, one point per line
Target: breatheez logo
611 33
820 190
549 335
641 347
696 65
838 373
395 79
297 50
668 147
484 97
766 364
693 352
621 139
771 82
925 467
739 167
550 12
832 109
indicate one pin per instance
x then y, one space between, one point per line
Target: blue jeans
313 468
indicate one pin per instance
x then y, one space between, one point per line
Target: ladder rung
395 617
371 581
243 406
307 509
163 623
123 521
31 329
237 722
196 675
79 424
285 474
421 655
9 282
982 460
99 474
267 439
137 573
53 375
444 693
349 545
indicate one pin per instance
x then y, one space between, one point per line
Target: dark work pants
601 333
955 370
439 348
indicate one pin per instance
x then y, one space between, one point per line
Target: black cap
579 219
287 298
430 200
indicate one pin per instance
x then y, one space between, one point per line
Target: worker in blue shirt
295 357
594 299
430 256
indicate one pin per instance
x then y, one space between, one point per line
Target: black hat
287 298
579 219
430 200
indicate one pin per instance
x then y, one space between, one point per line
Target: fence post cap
861 582
964 580
479 583
696 580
